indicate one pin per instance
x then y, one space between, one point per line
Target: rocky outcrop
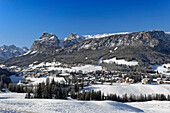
47 44
152 39
147 47
71 40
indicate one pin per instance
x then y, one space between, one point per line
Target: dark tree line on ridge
97 95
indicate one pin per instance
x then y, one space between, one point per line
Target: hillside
146 47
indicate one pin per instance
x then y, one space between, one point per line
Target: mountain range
7 52
145 47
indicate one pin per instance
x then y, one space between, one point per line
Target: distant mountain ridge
157 40
146 47
7 52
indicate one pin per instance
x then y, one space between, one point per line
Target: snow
53 66
15 102
84 69
136 89
103 35
87 46
162 69
76 38
12 67
26 53
43 79
100 60
122 61
115 48
2 66
52 38
49 64
152 106
33 52
87 68
7 52
65 74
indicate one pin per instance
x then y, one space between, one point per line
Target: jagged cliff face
47 44
145 47
7 52
152 39
71 40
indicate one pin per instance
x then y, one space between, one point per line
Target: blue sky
23 21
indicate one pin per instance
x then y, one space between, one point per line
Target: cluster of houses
96 77
90 77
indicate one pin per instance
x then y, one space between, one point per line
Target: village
62 74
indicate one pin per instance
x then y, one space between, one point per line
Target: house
145 81
158 80
167 82
129 80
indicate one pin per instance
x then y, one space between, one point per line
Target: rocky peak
145 46
25 49
73 36
48 43
72 39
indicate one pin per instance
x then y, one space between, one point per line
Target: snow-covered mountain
47 44
74 38
71 40
7 52
145 47
154 39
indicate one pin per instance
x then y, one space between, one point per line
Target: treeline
49 90
45 90
97 95
13 87
87 95
2 85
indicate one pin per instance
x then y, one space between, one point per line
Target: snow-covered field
152 106
53 66
14 102
43 79
122 61
87 68
137 89
163 69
